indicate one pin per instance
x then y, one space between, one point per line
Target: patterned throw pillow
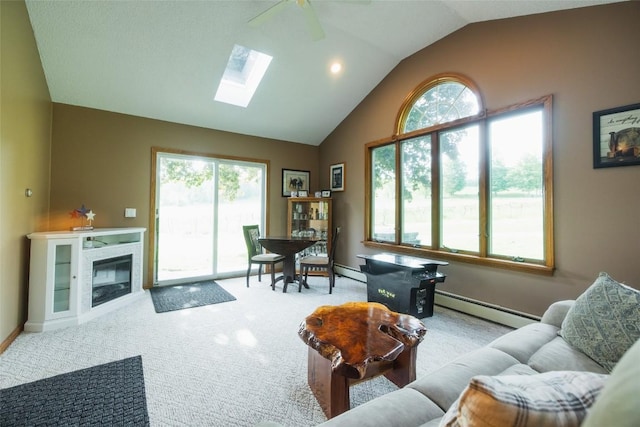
604 322
557 398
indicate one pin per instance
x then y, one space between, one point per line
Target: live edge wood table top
354 342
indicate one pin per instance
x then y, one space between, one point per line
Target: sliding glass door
201 204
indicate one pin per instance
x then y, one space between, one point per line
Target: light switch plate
129 212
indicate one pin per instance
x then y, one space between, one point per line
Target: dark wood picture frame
294 180
337 177
616 137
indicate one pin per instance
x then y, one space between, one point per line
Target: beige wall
103 160
25 128
587 59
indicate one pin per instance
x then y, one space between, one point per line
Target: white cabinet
62 269
53 276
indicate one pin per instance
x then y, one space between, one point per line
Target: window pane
517 196
186 217
240 202
443 103
416 191
460 189
202 203
383 213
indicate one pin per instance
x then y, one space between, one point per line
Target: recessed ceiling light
243 74
336 67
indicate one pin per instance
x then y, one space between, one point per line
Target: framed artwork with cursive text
616 137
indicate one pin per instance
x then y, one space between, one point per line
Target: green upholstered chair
256 255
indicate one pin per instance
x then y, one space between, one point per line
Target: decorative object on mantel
616 137
337 177
86 217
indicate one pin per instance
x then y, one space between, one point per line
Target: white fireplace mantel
61 270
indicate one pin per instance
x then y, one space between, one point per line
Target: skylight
243 74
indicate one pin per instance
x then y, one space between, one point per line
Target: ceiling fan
315 29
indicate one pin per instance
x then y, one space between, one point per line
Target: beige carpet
231 364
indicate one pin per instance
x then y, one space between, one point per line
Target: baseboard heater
483 310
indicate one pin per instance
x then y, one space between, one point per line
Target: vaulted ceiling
164 59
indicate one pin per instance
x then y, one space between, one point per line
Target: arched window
459 182
440 100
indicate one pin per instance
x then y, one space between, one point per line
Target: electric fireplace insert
111 279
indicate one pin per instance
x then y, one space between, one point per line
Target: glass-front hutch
311 217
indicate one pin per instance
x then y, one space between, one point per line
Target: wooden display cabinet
311 217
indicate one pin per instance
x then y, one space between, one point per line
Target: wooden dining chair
256 255
321 263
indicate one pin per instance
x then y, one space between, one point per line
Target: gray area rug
112 394
179 297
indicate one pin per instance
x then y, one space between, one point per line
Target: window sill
466 258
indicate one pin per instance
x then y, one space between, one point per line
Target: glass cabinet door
62 278
311 217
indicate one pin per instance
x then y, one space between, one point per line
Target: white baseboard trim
350 272
484 310
469 306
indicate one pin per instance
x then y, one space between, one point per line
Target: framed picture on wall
337 178
616 137
294 181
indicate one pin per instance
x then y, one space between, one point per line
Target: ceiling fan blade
317 33
268 14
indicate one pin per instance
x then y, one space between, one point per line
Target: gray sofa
578 366
532 349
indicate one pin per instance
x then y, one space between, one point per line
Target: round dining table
288 246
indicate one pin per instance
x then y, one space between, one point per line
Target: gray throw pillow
604 322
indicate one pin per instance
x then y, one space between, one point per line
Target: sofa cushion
433 423
559 355
519 369
617 404
557 311
558 398
403 407
525 341
604 322
444 385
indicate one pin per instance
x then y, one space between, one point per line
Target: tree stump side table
355 342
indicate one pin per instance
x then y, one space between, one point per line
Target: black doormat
112 394
178 297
